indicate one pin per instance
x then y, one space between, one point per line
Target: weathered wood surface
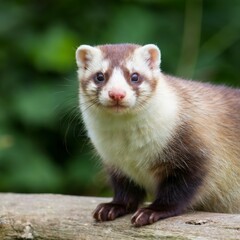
45 216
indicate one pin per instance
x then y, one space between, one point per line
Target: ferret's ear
151 55
85 54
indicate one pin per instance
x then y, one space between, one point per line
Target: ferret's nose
117 95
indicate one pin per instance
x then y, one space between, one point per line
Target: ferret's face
117 78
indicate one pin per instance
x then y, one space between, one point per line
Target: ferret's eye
99 78
134 78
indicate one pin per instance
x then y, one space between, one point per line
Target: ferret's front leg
127 197
173 197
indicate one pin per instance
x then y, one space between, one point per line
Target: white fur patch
131 143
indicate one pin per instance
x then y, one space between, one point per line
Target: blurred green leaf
82 172
52 50
26 168
130 24
37 104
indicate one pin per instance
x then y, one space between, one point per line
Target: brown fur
117 53
214 114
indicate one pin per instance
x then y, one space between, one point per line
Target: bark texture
59 217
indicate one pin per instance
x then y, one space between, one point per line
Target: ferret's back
214 114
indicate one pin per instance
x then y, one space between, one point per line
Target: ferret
176 139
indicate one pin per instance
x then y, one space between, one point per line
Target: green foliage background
43 147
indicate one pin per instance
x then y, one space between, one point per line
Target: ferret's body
177 139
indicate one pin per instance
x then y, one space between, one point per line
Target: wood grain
60 217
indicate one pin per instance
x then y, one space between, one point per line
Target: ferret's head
117 78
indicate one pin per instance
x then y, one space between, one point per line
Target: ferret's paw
109 211
145 216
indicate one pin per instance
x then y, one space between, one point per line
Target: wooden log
46 216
